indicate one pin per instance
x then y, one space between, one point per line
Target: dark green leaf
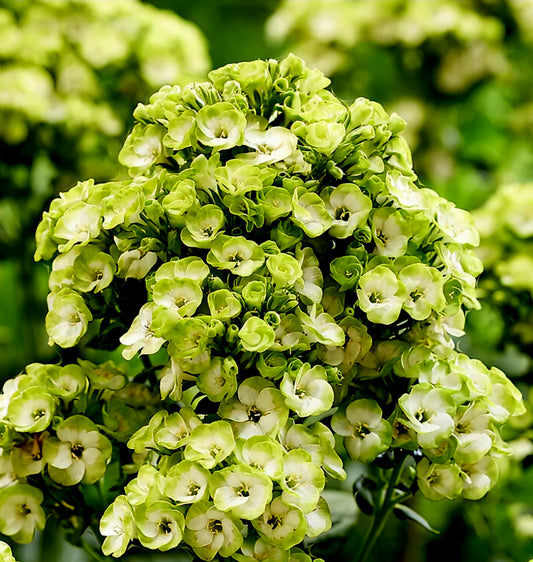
405 512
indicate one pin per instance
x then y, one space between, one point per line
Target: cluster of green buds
60 432
294 296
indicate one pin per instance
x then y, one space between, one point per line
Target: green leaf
405 512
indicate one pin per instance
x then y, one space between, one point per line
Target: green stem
382 513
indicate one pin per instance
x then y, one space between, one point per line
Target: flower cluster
69 62
454 69
59 426
325 32
295 293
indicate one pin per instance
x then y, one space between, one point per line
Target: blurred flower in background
457 71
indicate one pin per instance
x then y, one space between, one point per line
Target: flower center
242 491
24 510
193 489
254 414
375 297
38 414
74 319
342 214
215 526
292 480
236 259
416 294
421 416
165 526
274 521
77 450
362 430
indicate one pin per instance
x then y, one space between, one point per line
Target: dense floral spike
294 295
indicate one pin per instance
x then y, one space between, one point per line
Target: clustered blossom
294 295
59 425
72 62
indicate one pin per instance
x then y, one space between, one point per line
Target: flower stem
381 514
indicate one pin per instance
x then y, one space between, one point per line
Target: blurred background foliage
458 71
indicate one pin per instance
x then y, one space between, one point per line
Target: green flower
366 434
271 145
160 525
237 254
220 126
67 382
262 453
424 286
281 525
135 264
210 531
181 297
479 477
180 200
310 284
324 136
5 552
346 271
31 410
349 208
142 148
187 482
147 487
118 527
238 178
79 453
93 270
209 444
202 226
429 412
256 335
219 381
78 225
223 304
258 409
254 550
439 481
21 513
473 431
192 268
318 520
140 336
172 431
301 480
68 317
307 391
390 232
254 294
190 344
240 490
285 269
320 326
381 295
309 213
